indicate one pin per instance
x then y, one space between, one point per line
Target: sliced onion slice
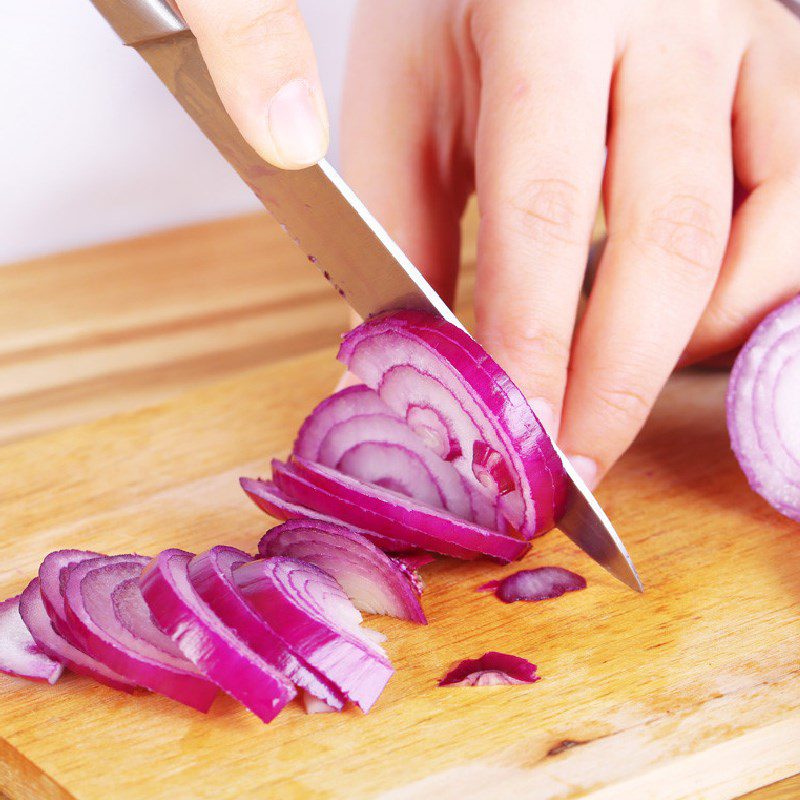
412 358
53 580
211 576
34 615
491 669
270 499
203 639
313 705
764 409
376 583
19 653
309 610
542 583
375 508
105 609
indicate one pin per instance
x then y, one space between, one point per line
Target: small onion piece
34 614
374 582
763 406
105 609
203 639
309 610
313 705
19 653
411 564
541 583
270 499
491 669
211 576
412 356
375 508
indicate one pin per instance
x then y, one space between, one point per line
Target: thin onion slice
376 583
763 407
203 639
34 615
542 583
53 580
270 499
411 356
105 609
211 576
313 705
19 653
375 508
309 610
491 669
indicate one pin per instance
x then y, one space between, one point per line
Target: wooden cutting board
688 691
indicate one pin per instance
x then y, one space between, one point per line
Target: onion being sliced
542 583
491 669
376 446
211 576
105 609
764 409
375 508
203 639
270 499
53 580
309 610
410 357
19 653
34 615
376 583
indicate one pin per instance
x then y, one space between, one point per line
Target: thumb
262 62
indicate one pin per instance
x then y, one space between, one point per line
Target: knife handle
137 21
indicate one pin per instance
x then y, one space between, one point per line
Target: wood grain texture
117 327
689 691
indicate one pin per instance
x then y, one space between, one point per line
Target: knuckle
273 20
624 401
686 230
549 213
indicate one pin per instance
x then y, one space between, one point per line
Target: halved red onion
309 610
764 409
375 508
376 446
412 358
19 653
211 576
542 583
376 583
491 669
53 580
270 499
105 609
34 615
209 644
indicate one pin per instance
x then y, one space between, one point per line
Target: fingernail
545 414
296 126
586 468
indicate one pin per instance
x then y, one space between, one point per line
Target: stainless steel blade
324 217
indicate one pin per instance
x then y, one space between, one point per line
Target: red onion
764 409
491 669
34 615
19 653
203 639
374 582
52 582
313 705
411 564
410 358
307 608
211 576
375 508
270 499
542 583
105 609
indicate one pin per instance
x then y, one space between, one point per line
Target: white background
93 147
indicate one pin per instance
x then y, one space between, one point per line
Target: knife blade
325 218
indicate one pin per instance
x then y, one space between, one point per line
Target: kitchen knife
324 217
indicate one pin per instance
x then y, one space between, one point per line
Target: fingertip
586 468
